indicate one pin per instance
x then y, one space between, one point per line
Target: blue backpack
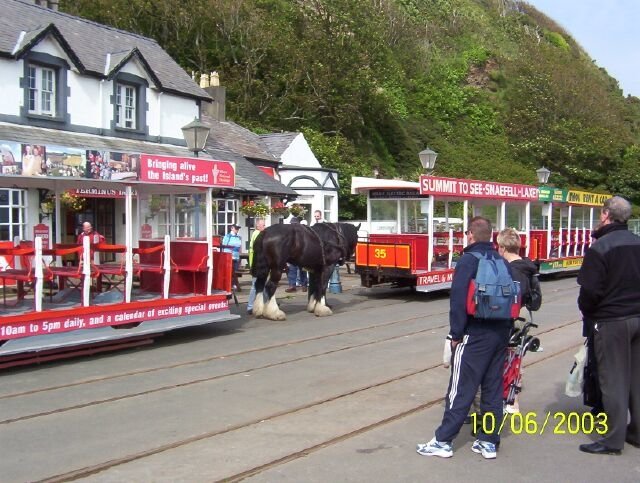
493 295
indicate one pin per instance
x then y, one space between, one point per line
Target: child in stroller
520 343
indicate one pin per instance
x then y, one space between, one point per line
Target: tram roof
361 185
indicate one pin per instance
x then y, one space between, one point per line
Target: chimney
216 109
52 4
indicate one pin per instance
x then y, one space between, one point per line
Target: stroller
520 343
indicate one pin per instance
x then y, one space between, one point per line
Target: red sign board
146 231
41 230
469 188
187 171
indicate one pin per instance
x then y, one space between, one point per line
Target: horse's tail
259 267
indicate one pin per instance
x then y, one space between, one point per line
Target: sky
608 30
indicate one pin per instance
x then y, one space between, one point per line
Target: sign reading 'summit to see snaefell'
186 171
469 188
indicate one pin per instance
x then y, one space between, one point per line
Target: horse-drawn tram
416 230
159 269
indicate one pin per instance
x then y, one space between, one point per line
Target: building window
225 213
326 215
13 214
129 101
44 86
42 90
126 106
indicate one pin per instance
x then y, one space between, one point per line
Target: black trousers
478 361
617 347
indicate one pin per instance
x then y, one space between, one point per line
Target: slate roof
89 45
277 143
229 135
249 179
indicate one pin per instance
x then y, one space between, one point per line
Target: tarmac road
342 398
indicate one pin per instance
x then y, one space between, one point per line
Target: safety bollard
335 286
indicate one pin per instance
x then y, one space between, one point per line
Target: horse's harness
336 228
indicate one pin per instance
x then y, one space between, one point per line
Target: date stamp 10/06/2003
531 423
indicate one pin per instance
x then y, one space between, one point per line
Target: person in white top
317 217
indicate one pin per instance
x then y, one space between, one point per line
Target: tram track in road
243 371
204 360
133 457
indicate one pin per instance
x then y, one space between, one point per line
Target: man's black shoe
597 448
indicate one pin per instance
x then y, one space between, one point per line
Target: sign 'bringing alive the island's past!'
186 171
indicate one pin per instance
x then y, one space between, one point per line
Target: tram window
414 216
384 216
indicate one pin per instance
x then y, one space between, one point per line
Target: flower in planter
280 210
254 208
73 202
297 210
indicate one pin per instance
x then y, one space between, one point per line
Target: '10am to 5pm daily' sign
186 171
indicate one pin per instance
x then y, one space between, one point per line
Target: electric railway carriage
167 273
415 231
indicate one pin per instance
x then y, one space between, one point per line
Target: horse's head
350 234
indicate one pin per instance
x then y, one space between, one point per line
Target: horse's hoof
280 315
311 306
322 311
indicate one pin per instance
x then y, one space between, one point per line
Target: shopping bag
573 387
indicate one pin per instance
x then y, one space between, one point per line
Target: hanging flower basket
72 202
297 210
255 208
280 210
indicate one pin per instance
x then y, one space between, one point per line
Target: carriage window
12 214
414 216
384 216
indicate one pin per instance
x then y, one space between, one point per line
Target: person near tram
523 271
479 350
88 231
294 272
232 243
608 299
252 240
317 217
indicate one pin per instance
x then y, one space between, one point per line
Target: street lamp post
195 134
543 175
428 160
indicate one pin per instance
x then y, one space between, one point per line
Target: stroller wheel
532 344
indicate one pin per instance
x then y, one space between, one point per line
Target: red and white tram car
167 272
415 231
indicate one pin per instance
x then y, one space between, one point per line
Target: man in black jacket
610 301
479 349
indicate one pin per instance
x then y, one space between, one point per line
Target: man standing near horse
252 240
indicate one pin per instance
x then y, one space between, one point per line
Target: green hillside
494 86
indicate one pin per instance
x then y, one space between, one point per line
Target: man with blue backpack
484 300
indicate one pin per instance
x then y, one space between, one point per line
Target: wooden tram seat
113 273
25 273
67 274
151 259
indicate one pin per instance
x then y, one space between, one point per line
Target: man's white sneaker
485 448
435 448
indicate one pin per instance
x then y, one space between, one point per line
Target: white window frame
224 217
42 90
13 202
126 106
326 212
